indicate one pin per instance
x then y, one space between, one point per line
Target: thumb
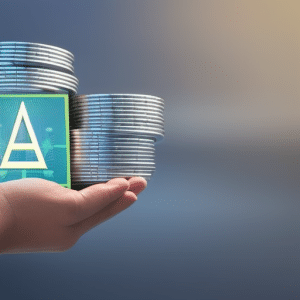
94 198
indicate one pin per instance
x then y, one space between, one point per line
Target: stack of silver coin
113 135
36 68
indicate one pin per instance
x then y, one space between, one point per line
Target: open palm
37 215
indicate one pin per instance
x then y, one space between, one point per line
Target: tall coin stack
36 69
113 135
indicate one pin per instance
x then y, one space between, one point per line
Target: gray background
220 218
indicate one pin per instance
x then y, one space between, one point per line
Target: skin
37 215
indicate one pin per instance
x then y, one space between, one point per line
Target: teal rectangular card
34 137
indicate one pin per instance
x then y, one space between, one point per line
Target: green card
34 137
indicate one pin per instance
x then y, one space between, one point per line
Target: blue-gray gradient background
220 218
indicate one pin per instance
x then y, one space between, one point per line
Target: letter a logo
40 164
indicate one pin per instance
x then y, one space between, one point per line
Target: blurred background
220 217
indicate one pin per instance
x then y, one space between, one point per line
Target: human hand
37 215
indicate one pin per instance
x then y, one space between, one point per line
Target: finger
137 184
106 213
94 198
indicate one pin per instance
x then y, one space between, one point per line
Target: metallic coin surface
118 106
36 85
118 96
114 102
48 72
39 80
14 44
117 124
36 74
14 88
31 57
119 117
12 52
157 135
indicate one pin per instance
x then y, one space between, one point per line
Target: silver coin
101 128
125 150
118 96
119 99
112 158
34 90
90 163
157 135
113 168
42 80
131 112
145 151
32 87
38 63
37 84
17 74
129 172
127 114
38 79
109 160
21 91
156 138
34 52
87 182
22 55
48 72
121 138
84 123
96 175
120 118
100 154
102 177
26 45
106 104
86 142
124 114
112 102
97 165
106 172
112 151
112 147
34 58
118 141
117 113
121 106
78 174
117 123
116 129
65 52
79 135
100 142
111 140
117 106
111 171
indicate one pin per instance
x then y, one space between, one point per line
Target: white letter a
40 164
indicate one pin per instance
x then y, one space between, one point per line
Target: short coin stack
113 135
36 68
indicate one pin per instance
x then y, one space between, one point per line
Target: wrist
7 220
